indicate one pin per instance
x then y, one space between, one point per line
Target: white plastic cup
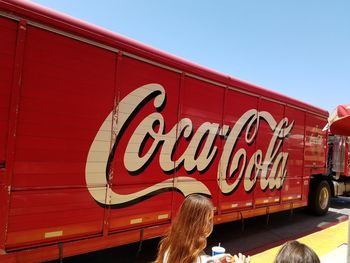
217 250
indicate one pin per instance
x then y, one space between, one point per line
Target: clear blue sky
300 48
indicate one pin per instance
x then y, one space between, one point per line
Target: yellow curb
322 242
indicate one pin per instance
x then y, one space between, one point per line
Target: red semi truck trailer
102 137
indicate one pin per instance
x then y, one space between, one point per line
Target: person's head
295 252
188 233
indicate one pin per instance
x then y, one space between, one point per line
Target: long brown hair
187 236
295 252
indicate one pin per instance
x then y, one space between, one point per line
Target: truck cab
339 163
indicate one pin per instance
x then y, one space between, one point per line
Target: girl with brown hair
187 236
295 252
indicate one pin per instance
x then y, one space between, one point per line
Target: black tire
319 197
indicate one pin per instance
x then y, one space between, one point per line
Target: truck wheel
319 197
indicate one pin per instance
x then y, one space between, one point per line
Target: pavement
329 243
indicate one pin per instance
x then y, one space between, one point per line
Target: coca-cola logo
235 164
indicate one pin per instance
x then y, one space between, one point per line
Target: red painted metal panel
152 211
294 145
3 211
8 32
139 146
315 143
236 105
67 90
52 215
270 143
12 125
202 103
306 183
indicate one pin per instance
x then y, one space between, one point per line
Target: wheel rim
324 198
